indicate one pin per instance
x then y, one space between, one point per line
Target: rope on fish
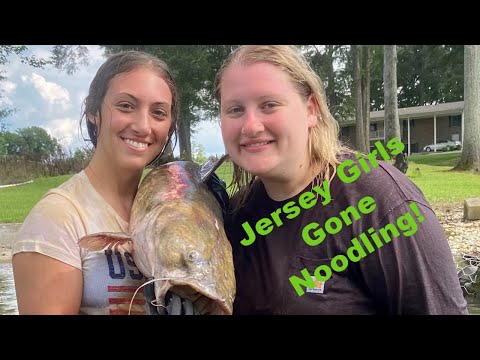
153 302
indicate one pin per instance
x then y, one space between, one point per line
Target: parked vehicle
441 144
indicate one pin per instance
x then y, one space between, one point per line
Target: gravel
462 235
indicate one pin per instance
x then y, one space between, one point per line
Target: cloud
7 88
208 134
49 91
64 130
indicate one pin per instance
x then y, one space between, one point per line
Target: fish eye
192 255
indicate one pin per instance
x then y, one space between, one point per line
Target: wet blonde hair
323 141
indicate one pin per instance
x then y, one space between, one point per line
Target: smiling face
135 119
265 121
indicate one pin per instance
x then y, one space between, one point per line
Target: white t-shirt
55 227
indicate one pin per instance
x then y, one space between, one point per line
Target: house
419 125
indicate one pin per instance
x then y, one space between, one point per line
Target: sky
52 99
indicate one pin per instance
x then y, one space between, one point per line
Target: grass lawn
225 172
431 172
16 202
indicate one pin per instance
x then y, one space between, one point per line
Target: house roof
427 111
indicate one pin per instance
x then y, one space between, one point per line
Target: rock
471 209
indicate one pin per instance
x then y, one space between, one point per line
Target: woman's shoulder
60 201
78 183
374 176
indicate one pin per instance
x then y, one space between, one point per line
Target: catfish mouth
203 301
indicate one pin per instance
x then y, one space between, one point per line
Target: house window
373 127
455 120
345 131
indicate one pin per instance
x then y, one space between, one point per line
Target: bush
17 169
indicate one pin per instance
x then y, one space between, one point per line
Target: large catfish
179 243
179 239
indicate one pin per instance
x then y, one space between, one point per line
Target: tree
392 125
357 95
361 94
198 153
10 143
470 159
426 74
68 57
332 64
366 102
37 144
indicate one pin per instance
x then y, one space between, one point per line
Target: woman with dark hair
131 114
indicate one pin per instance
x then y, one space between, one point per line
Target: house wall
421 133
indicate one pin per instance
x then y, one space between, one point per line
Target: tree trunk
184 137
392 124
357 94
470 159
366 95
330 76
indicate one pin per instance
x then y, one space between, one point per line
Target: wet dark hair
119 63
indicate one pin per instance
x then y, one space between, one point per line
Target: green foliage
198 153
332 64
31 152
34 143
68 57
426 74
10 143
83 155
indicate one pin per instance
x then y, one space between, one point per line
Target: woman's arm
45 285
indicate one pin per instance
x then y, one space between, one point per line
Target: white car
442 144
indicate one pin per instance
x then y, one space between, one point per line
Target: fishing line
154 301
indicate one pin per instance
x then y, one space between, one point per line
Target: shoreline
7 234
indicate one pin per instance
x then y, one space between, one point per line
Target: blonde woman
315 227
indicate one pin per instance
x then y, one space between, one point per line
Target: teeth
136 144
257 144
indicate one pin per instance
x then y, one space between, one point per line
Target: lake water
8 303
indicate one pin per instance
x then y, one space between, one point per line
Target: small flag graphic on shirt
121 298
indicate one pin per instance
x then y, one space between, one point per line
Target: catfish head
179 240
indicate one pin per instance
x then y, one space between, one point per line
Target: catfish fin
100 241
207 169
